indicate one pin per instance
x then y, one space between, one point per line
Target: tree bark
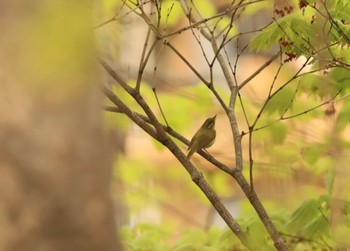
55 159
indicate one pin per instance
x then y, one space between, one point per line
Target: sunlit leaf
281 101
171 12
255 228
194 238
228 240
145 243
253 8
225 24
311 154
220 182
153 231
125 233
204 7
330 180
110 4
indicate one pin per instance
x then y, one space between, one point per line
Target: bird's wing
192 140
204 140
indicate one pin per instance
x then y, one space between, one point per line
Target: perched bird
204 137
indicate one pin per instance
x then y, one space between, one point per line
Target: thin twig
251 161
292 99
143 60
260 69
115 18
205 20
207 83
331 100
271 95
159 106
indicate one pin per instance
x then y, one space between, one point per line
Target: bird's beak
214 117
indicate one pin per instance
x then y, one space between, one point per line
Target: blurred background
72 173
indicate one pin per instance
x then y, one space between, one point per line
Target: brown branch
135 94
205 20
143 60
234 90
236 174
178 136
279 242
132 115
207 83
159 106
160 135
250 193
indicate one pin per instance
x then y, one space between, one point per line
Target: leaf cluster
152 237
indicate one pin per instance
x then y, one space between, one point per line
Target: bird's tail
191 152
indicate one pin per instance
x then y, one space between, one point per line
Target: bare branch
160 107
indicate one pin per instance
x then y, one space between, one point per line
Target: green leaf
145 243
185 247
294 28
171 12
213 236
311 83
254 227
311 154
303 214
266 38
253 8
322 165
153 231
278 132
281 101
330 180
224 23
125 233
309 220
143 237
340 77
343 118
111 4
219 181
228 241
204 7
191 240
196 101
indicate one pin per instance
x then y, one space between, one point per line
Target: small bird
204 137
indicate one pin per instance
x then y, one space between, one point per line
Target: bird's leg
205 150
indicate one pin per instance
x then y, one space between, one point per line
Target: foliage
305 228
157 237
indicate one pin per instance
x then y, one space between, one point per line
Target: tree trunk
55 159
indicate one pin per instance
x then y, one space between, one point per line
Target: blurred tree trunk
55 159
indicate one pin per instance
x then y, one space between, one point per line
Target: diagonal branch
160 135
179 137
